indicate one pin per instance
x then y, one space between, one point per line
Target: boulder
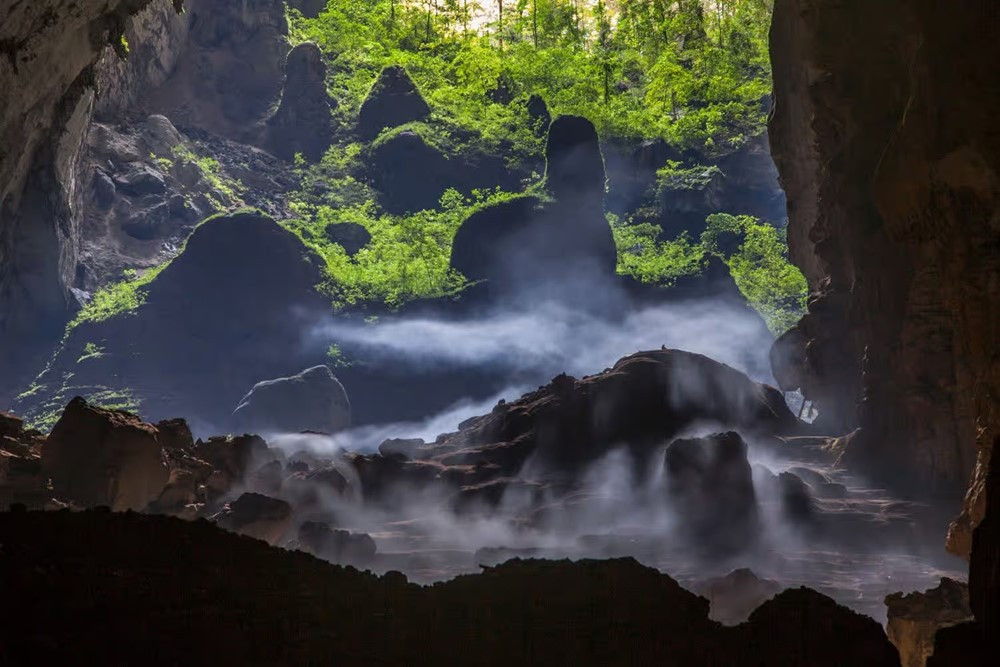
160 135
302 123
336 546
710 486
314 400
351 236
796 500
914 619
393 101
141 180
258 516
734 596
409 173
104 457
232 458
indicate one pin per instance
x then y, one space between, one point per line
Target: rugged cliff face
890 156
78 81
54 55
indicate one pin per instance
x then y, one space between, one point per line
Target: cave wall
885 134
49 55
213 66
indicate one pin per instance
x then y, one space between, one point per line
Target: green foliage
230 189
91 351
694 72
408 257
117 298
674 176
760 267
643 256
756 253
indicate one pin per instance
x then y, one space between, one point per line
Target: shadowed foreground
127 588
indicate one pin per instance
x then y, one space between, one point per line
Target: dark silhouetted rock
914 619
104 457
175 434
711 490
410 174
734 596
336 546
796 500
393 101
523 244
257 516
645 400
814 630
93 581
309 8
984 562
314 400
302 124
538 112
10 425
351 236
574 164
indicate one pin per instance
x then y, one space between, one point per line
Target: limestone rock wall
49 55
884 132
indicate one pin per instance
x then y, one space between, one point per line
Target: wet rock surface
711 488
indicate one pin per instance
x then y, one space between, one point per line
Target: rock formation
350 236
524 243
644 400
890 159
47 72
92 579
977 643
711 490
100 457
394 100
411 174
313 400
255 283
257 516
302 124
735 596
915 619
